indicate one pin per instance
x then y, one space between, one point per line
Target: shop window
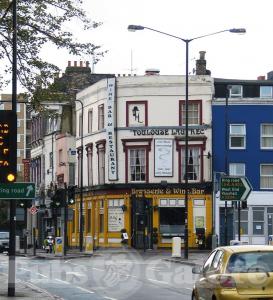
194 112
237 136
243 221
137 165
83 219
172 220
115 215
236 91
266 136
100 117
73 222
258 220
266 176
194 161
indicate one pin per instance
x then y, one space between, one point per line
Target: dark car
4 241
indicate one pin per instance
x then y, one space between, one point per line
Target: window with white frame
194 111
100 117
137 165
18 107
237 169
266 92
267 136
80 126
101 163
237 136
18 138
236 91
194 161
243 221
266 176
90 120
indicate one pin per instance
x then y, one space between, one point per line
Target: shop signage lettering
110 130
167 191
168 132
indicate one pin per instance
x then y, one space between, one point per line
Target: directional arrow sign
234 188
17 190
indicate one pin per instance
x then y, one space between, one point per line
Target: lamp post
81 177
186 41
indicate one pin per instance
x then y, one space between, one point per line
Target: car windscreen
259 261
4 235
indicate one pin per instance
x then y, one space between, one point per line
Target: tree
41 22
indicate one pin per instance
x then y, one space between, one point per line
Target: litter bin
176 247
270 240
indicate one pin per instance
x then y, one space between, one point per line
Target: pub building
133 160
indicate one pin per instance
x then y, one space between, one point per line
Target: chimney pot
80 63
69 63
75 63
261 77
152 71
87 64
201 64
202 54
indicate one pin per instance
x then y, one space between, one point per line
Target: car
4 241
236 272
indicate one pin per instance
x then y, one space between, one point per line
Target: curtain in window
137 165
193 164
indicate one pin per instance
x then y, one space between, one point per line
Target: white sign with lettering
163 157
115 219
110 130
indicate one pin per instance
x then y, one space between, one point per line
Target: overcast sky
228 55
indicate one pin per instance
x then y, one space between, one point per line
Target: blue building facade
242 143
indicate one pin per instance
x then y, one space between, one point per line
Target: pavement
27 291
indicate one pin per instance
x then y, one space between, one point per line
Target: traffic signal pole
65 218
11 273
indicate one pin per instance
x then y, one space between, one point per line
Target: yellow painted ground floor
150 216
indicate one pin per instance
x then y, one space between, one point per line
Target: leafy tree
41 22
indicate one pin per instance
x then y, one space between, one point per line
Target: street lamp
186 41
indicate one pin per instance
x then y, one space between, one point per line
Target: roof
247 248
243 81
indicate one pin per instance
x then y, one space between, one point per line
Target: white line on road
62 281
109 298
164 282
74 273
85 290
25 269
98 269
41 275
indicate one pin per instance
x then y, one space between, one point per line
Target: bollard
176 247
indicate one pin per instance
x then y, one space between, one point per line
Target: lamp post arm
171 35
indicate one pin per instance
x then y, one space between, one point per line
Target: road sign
17 190
234 188
33 210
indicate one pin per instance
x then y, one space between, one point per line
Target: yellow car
236 272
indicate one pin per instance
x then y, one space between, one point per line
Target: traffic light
244 204
25 203
71 194
58 198
8 143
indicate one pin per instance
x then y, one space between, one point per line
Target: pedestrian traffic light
8 143
244 204
71 194
25 203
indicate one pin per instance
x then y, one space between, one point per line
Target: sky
228 55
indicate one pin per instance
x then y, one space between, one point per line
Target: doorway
142 220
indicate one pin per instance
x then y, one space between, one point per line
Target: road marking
75 274
98 269
41 275
155 269
85 290
62 281
25 269
109 298
164 282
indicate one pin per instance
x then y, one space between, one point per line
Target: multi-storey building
242 115
133 137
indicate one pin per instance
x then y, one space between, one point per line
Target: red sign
33 210
26 163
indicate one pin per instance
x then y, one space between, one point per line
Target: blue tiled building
242 126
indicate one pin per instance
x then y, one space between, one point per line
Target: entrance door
229 225
141 223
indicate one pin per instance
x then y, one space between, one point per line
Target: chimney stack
151 72
261 77
201 64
